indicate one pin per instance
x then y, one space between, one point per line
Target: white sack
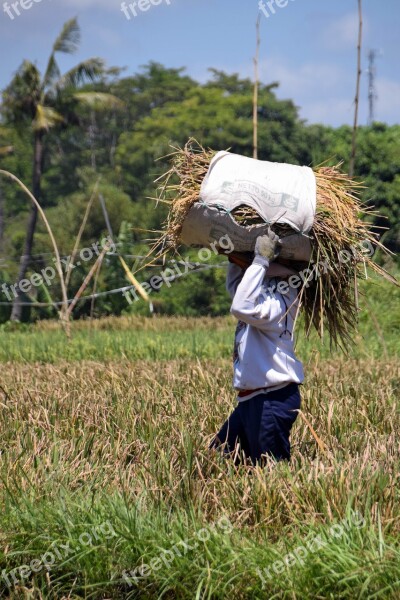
278 192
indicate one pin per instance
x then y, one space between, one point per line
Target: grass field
108 490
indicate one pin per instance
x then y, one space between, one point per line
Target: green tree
219 118
377 164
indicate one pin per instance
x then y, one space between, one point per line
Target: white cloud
324 92
310 78
109 36
342 34
332 111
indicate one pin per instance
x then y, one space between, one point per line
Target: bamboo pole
357 98
81 229
256 86
88 278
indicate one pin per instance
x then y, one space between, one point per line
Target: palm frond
52 72
69 38
100 101
46 118
22 95
85 72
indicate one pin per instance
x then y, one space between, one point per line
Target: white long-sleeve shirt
264 354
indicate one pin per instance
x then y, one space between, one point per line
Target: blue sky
308 46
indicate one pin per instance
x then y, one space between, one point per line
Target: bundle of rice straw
340 238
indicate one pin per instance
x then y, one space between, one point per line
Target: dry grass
180 187
78 438
126 441
135 323
139 418
340 234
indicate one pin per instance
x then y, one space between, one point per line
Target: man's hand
267 247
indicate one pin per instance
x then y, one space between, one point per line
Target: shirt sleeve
233 278
251 304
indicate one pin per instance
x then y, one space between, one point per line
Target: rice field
108 489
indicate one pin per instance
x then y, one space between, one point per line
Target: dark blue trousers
261 426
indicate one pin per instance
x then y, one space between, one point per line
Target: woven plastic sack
205 226
277 192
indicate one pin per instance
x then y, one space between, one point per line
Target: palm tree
43 103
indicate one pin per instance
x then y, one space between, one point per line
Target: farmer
267 373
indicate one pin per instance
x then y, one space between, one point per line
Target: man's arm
233 278
250 304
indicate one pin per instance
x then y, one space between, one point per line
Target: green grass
137 338
186 555
108 345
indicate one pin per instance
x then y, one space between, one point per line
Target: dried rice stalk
189 167
339 238
329 299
